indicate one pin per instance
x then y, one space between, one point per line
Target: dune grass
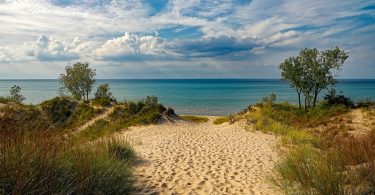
37 158
221 120
196 119
327 161
41 163
124 116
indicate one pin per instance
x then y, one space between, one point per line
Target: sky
126 39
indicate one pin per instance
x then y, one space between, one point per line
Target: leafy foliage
333 99
77 80
103 91
312 71
15 94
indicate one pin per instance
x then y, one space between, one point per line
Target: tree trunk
305 104
315 98
299 100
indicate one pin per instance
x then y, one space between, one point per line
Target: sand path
190 158
105 113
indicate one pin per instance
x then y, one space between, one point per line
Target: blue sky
180 38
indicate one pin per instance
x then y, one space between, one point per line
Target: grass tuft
196 119
221 120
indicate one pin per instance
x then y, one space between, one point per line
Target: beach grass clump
348 167
306 170
221 120
196 119
121 150
41 163
300 137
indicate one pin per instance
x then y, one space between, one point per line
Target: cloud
131 46
49 49
166 33
217 47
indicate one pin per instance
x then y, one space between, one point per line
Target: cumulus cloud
49 49
129 45
190 32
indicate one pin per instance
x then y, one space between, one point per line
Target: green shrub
333 99
59 109
135 107
196 119
15 94
101 102
221 120
151 101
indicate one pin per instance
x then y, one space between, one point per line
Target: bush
59 109
269 99
135 107
102 102
15 94
333 99
151 101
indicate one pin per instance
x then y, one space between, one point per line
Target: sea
194 96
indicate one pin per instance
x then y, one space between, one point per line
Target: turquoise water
193 96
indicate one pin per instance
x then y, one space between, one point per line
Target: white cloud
48 49
129 44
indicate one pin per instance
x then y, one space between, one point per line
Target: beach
202 158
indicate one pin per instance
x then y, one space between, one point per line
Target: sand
189 158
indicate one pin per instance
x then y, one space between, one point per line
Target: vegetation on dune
77 80
313 71
221 120
103 96
324 161
41 163
142 112
196 119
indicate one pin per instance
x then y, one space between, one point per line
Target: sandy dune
189 158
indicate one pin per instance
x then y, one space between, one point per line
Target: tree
103 91
292 70
312 71
78 80
15 94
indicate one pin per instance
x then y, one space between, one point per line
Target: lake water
193 96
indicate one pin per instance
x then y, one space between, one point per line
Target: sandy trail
105 113
189 158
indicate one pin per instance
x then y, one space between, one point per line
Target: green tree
312 71
15 94
77 80
292 70
103 91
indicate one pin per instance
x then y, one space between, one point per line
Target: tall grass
39 163
327 161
